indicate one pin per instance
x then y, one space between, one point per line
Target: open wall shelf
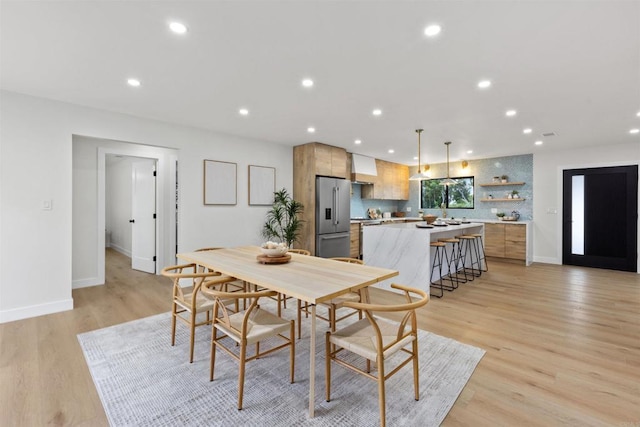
500 184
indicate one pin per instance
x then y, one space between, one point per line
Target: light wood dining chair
245 328
238 285
187 300
376 340
333 305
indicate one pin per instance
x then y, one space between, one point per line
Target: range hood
363 169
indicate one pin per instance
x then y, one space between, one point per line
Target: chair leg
192 339
381 395
173 324
332 317
416 386
243 357
212 363
327 362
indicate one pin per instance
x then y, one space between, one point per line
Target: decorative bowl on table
429 218
273 249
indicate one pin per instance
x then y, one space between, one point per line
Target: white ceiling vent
546 134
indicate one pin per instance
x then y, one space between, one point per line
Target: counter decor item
399 214
500 215
504 178
429 218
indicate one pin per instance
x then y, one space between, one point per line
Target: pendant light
421 174
448 181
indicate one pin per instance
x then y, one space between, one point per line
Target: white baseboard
85 283
547 260
35 310
120 249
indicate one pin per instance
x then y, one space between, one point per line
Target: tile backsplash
517 168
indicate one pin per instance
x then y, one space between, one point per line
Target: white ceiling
569 67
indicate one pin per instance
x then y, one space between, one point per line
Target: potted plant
515 194
500 215
504 178
282 222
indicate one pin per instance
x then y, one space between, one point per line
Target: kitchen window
458 196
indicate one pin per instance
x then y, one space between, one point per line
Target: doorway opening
600 217
130 209
90 205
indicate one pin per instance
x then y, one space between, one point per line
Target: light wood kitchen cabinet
515 241
494 240
391 183
505 241
310 160
330 161
354 248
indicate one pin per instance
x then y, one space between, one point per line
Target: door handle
132 220
337 205
333 237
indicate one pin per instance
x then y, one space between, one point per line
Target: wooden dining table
307 278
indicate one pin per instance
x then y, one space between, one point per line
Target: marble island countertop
390 221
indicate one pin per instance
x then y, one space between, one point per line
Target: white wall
547 190
118 203
36 164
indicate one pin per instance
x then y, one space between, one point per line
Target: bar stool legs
456 273
438 262
470 249
482 257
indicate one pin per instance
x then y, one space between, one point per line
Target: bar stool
482 258
437 262
456 262
469 247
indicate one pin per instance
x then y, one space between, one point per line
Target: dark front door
600 217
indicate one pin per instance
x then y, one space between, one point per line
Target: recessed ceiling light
133 82
178 27
243 112
638 114
357 142
510 113
527 130
634 131
311 129
469 151
307 83
391 151
432 30
538 142
376 112
415 158
483 84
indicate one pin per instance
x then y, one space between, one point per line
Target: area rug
143 381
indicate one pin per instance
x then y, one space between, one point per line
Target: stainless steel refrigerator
332 217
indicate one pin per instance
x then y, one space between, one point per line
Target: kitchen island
405 247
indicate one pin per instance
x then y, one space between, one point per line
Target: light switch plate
494 210
47 205
408 208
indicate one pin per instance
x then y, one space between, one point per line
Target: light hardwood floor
563 347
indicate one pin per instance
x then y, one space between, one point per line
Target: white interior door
143 221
